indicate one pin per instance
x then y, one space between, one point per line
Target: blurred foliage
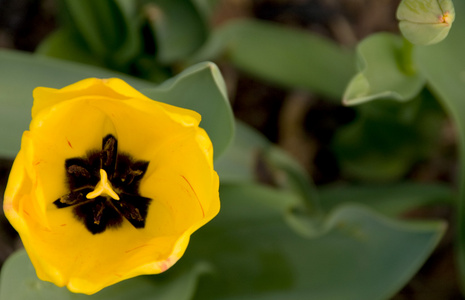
284 56
447 85
387 138
154 39
442 67
142 38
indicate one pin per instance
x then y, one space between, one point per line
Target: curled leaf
383 51
425 22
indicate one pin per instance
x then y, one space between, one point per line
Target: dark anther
128 174
109 153
95 219
78 171
72 198
124 174
134 208
81 172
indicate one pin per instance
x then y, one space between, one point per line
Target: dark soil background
299 121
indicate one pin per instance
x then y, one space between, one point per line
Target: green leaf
19 282
252 158
443 66
201 88
358 254
285 56
385 71
20 73
179 28
239 163
391 200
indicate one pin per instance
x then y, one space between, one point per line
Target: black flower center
99 211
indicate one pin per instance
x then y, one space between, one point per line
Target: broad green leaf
357 255
444 67
425 22
20 73
285 56
179 28
392 200
201 88
385 71
19 282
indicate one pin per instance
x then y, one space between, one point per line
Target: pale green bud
425 22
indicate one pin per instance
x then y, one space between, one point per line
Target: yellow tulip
108 184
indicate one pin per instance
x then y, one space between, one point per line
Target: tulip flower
108 184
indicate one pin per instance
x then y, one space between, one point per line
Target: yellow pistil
103 188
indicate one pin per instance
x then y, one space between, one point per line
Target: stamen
109 153
98 212
103 188
92 181
71 198
78 171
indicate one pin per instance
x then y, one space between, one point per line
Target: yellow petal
181 178
113 88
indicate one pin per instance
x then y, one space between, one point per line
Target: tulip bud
425 22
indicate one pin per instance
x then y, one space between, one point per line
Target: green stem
406 59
